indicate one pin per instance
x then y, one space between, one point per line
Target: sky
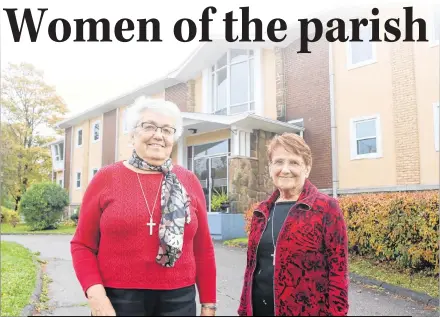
87 74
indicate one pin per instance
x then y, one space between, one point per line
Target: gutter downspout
335 180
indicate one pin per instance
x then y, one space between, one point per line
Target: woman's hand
99 302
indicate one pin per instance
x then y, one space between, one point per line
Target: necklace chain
155 200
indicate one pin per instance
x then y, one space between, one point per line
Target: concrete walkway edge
405 292
28 310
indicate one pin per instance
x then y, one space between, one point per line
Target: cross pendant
151 224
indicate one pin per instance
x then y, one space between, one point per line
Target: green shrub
400 227
9 216
218 199
42 205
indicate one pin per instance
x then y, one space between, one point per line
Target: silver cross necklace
273 239
151 223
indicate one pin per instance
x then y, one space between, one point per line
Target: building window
366 141
94 171
60 182
78 180
79 137
96 133
362 52
436 126
59 152
232 83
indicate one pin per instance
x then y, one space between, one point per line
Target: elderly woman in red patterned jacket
297 258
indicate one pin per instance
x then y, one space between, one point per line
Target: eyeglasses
291 164
149 128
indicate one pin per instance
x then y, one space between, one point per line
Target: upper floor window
363 52
365 137
79 137
94 171
59 152
96 133
78 180
232 83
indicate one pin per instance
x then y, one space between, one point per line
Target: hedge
400 227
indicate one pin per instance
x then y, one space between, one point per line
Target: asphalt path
67 297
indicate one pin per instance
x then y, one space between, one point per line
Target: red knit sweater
112 245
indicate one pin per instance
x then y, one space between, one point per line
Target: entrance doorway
210 164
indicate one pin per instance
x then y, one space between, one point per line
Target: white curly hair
135 111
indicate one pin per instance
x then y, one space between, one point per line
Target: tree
28 104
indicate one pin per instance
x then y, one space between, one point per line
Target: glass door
212 173
201 169
219 181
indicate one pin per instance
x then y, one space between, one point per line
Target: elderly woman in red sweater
297 251
143 244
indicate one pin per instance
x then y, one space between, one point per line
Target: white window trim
431 26
238 137
76 180
77 138
353 143
62 182
258 83
55 155
350 64
436 113
93 131
91 172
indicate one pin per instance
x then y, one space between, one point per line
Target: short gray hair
134 112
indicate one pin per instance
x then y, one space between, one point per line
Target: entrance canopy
194 122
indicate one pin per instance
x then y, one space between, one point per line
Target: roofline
175 77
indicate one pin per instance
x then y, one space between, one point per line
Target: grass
42 305
388 273
24 229
385 272
239 242
18 276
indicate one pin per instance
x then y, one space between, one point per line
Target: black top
262 290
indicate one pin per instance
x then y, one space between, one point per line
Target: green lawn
23 228
18 278
387 273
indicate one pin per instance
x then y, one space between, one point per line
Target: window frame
77 138
349 52
353 140
76 180
92 170
212 93
97 122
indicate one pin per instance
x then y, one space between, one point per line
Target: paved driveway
67 298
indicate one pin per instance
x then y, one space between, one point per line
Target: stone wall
249 179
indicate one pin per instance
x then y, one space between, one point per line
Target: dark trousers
136 302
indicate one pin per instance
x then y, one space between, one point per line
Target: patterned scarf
175 211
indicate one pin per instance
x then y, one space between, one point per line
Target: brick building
362 108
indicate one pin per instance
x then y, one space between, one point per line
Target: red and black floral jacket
311 265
